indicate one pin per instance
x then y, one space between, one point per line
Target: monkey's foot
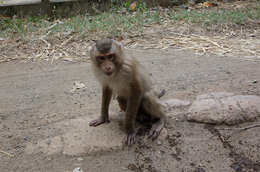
98 121
155 130
130 139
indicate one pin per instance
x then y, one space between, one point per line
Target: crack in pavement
240 161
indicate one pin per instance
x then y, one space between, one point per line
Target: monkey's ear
118 44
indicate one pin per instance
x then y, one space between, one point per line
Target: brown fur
130 83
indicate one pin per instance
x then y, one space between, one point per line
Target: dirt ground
37 104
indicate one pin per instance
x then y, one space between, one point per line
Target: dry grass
231 32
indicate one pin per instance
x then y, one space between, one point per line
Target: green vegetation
218 16
115 22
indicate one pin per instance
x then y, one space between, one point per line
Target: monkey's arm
106 98
133 104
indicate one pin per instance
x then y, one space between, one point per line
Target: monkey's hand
98 121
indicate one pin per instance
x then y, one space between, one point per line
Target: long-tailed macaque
125 78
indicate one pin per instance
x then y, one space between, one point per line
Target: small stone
10 136
48 142
174 151
237 167
26 138
185 7
78 169
124 168
255 81
159 142
80 159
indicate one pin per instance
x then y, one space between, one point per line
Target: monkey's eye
110 57
101 58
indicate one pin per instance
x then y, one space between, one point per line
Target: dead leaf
120 38
133 6
209 4
92 30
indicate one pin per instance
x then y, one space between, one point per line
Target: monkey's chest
120 89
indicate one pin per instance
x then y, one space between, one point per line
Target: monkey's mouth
109 73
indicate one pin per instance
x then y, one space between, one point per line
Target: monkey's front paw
98 121
130 139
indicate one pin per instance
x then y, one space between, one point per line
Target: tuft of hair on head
104 45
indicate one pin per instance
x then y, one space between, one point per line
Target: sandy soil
37 104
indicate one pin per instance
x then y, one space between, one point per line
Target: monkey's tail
162 93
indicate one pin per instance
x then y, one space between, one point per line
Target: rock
175 103
219 108
244 107
205 110
255 81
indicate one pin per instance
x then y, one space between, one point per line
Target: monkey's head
106 54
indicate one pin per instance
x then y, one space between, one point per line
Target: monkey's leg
122 103
106 98
132 107
151 106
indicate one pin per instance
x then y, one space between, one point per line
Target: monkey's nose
108 69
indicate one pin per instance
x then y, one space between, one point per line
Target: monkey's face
106 63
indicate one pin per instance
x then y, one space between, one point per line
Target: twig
162 93
66 41
46 42
207 39
52 26
243 128
6 153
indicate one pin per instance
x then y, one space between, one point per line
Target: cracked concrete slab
39 113
79 138
244 142
194 146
